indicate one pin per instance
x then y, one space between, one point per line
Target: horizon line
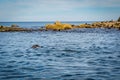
57 20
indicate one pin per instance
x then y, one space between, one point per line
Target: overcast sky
62 10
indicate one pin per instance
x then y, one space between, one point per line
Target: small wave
89 79
15 76
71 51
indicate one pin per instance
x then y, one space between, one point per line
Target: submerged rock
119 28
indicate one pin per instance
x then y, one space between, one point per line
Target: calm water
82 54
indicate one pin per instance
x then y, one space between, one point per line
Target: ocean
78 54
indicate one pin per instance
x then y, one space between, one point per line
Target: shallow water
81 54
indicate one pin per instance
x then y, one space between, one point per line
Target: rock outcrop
105 24
13 28
57 26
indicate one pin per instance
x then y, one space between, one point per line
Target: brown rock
14 26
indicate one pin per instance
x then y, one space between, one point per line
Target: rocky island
12 28
105 24
58 26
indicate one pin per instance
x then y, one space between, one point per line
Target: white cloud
32 9
56 5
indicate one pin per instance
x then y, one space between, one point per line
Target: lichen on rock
58 26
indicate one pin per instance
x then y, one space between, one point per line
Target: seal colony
58 26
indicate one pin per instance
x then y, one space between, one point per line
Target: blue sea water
79 54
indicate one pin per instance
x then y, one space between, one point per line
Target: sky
59 10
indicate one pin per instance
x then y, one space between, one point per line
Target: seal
35 46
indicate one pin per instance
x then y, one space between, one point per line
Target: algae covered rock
1 28
58 26
67 26
57 23
12 28
84 26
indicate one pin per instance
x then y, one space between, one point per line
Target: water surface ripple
82 54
